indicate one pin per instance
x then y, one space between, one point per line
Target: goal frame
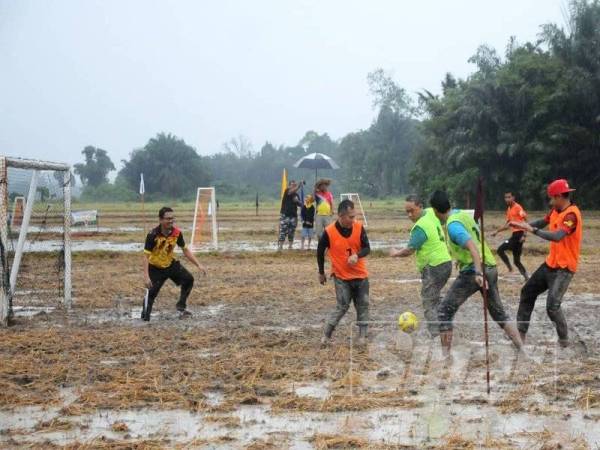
9 275
350 195
213 206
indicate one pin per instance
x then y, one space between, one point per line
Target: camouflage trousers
287 227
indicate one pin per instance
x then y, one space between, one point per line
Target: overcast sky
112 74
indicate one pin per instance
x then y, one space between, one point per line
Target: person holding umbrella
323 198
324 205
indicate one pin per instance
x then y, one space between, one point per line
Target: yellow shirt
160 248
324 201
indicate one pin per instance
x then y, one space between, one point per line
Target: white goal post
9 274
355 198
205 218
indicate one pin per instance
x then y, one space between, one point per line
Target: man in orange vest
348 246
514 212
565 233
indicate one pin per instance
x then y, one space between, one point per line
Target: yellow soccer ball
408 322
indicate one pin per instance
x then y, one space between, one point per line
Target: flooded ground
248 371
90 245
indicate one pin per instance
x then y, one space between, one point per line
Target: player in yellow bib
433 260
465 246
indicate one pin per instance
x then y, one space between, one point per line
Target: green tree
520 121
376 161
94 171
171 168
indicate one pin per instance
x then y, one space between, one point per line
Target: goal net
355 198
204 227
35 245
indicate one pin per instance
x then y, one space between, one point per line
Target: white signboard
84 217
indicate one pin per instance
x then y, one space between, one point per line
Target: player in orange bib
348 246
516 213
555 274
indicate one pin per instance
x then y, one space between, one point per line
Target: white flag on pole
142 188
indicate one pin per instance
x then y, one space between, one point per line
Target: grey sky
114 73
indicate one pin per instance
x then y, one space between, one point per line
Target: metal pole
484 291
4 280
144 213
23 233
68 299
214 219
194 223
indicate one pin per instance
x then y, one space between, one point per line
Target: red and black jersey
160 248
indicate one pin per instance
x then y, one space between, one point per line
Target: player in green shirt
432 258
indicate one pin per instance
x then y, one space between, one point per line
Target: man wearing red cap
565 232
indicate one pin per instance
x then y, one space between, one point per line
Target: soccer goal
355 198
204 228
35 244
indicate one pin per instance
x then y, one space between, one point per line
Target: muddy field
247 370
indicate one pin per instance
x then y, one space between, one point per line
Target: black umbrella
316 161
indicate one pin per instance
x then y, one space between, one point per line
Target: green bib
462 255
434 251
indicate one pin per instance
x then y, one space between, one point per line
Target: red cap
558 187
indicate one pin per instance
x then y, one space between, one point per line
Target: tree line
519 120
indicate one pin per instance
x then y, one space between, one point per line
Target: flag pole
283 188
142 192
484 290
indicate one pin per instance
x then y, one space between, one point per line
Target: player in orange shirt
347 245
555 274
516 213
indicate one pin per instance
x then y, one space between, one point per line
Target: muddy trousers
176 273
465 286
433 279
346 292
556 282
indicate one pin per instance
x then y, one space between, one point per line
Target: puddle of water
406 281
399 426
31 311
313 390
110 362
82 229
228 246
214 398
281 328
207 354
80 246
114 315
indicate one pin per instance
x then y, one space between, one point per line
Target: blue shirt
417 238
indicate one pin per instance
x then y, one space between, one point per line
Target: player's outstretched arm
502 228
402 253
192 258
536 226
